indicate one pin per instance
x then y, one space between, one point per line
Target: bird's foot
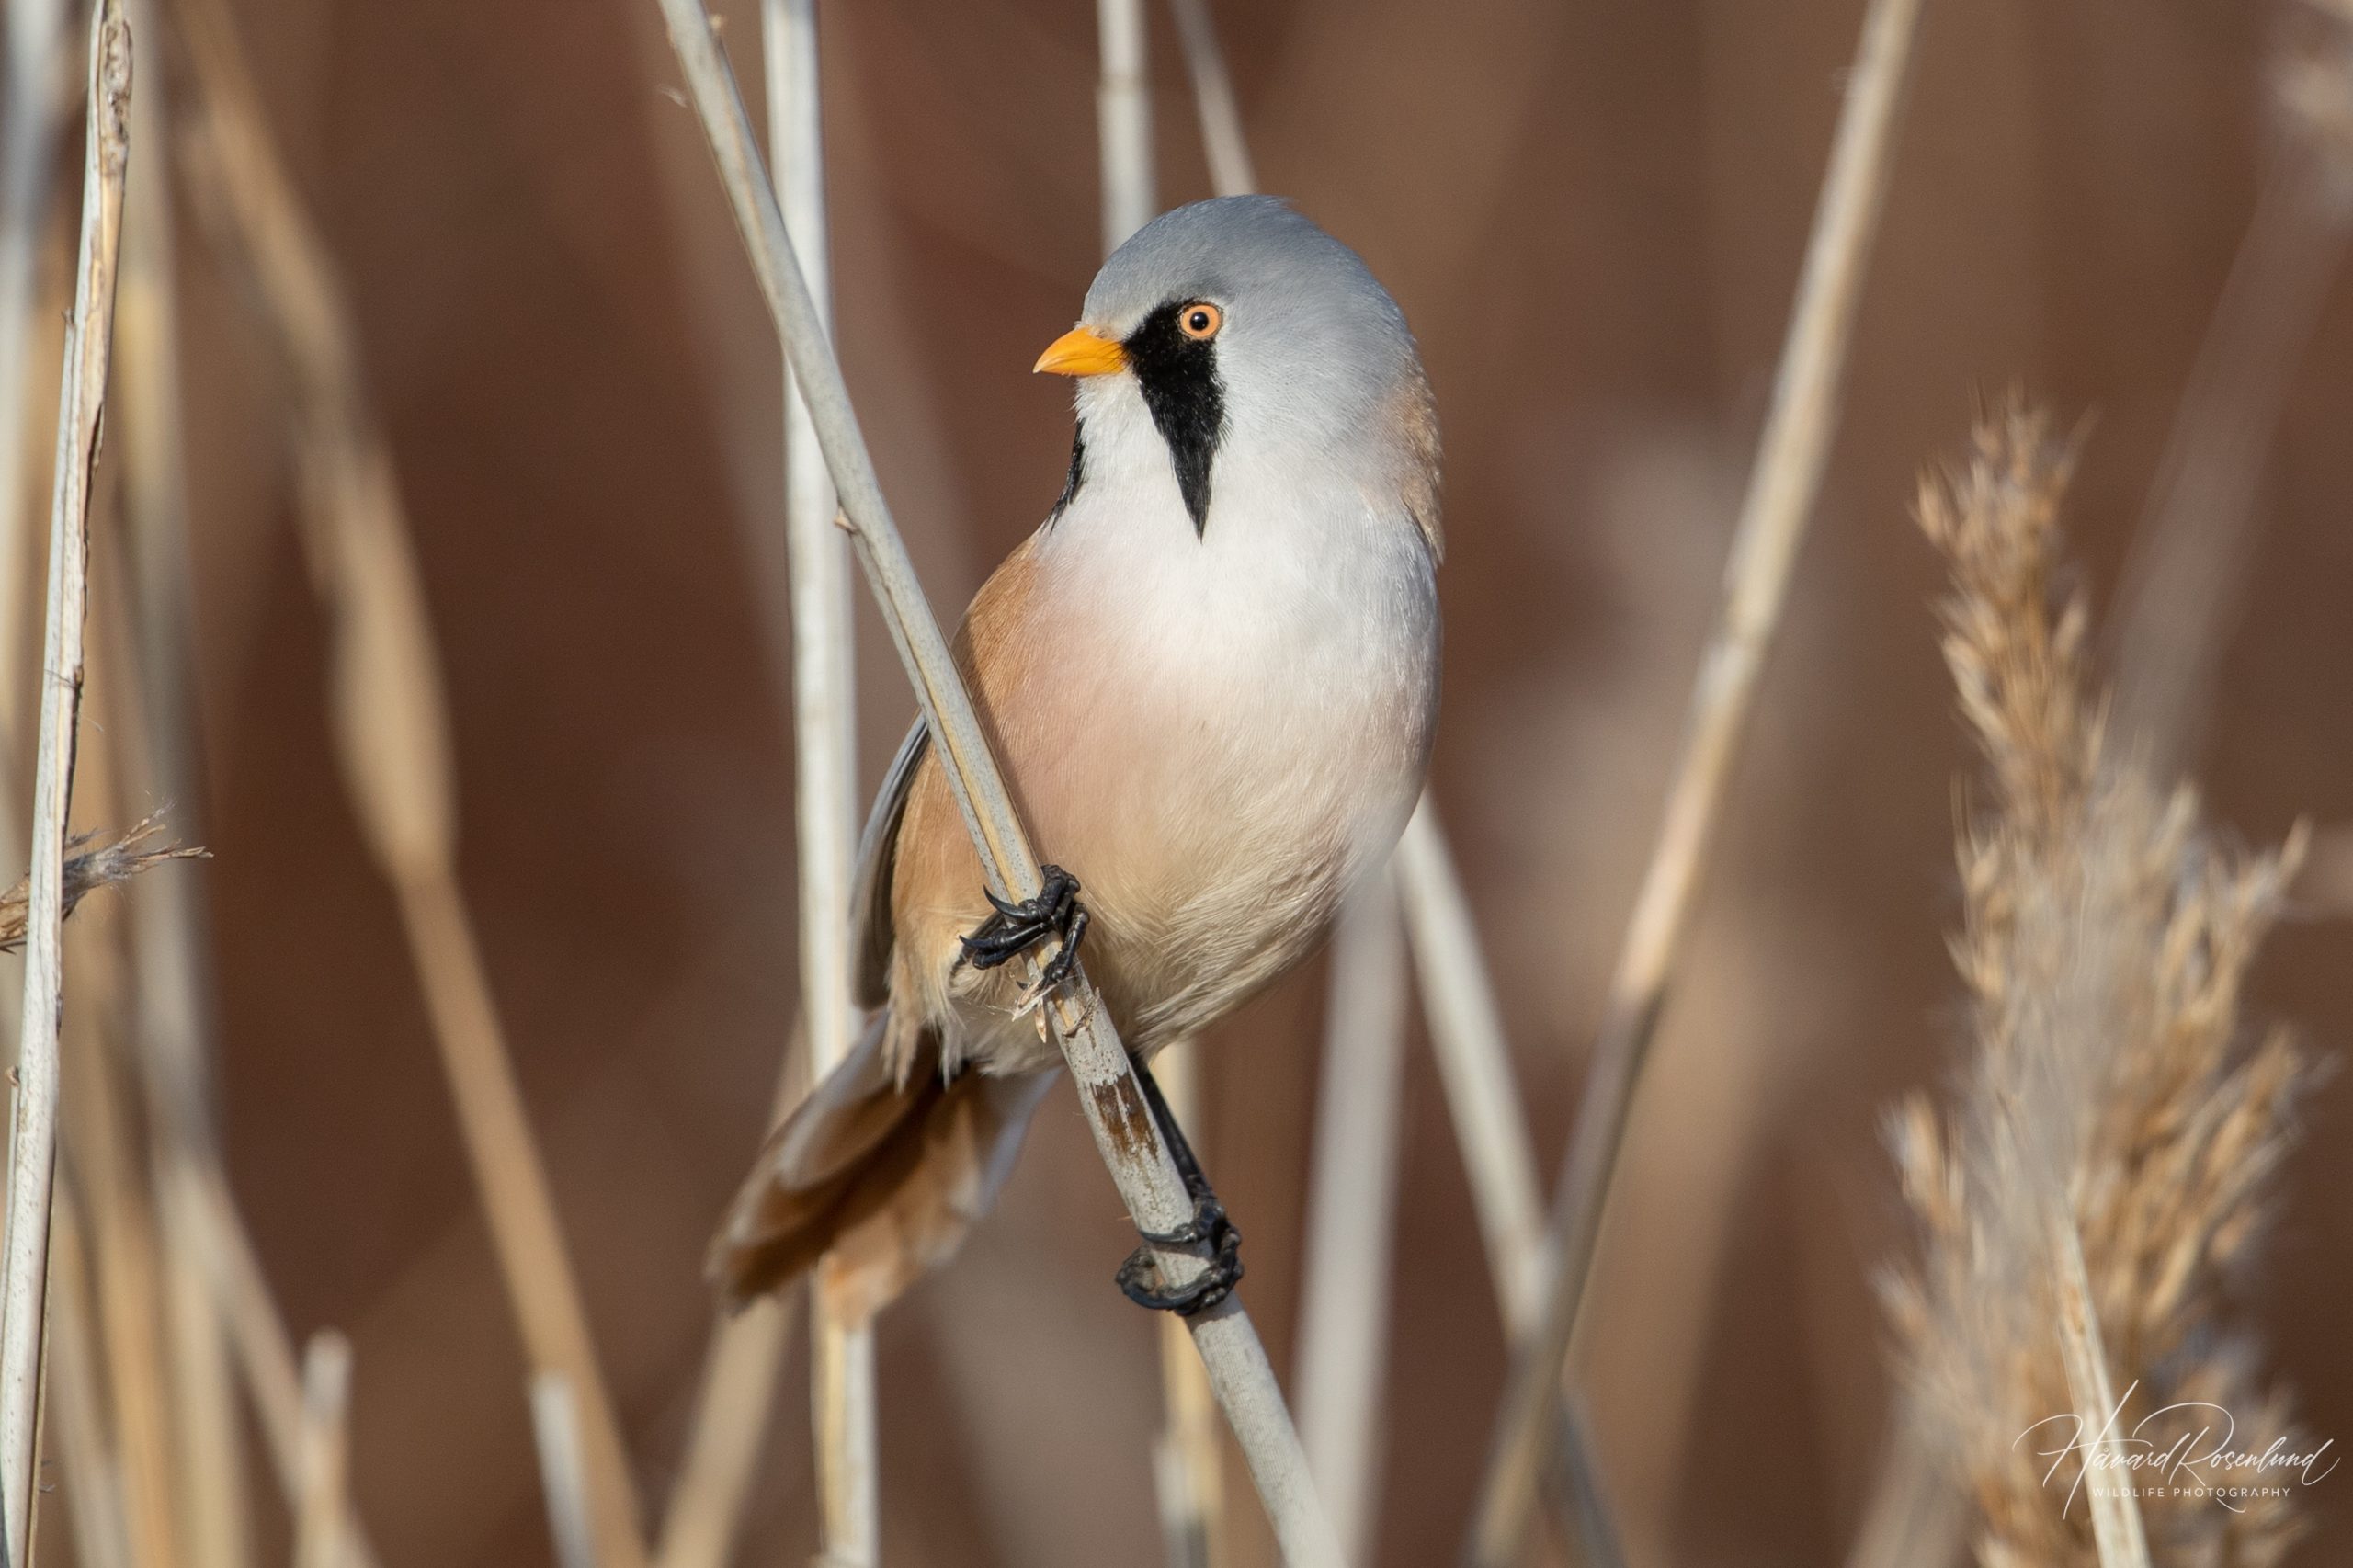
1208 1227
1017 926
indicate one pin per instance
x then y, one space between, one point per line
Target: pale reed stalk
731 1409
1185 1461
1352 1213
1131 1145
326 1451
1123 122
170 943
563 1475
824 715
1231 172
391 732
1782 489
32 1151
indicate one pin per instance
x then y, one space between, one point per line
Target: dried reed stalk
170 944
737 1395
738 1390
1124 1133
556 1425
32 1152
1475 1066
824 713
87 1473
2103 1172
1782 487
1231 172
1123 122
1352 1214
326 1451
264 1346
101 1157
392 732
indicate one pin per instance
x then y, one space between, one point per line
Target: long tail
878 1180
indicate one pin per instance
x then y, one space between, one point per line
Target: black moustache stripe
1178 375
1077 477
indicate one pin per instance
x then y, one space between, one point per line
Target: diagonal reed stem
1123 1129
1781 492
32 1151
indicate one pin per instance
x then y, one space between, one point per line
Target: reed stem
32 1151
1774 515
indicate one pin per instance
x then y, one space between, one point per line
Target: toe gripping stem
1019 925
1208 1227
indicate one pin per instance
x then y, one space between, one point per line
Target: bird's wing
878 853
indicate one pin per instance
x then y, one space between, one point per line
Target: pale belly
1215 779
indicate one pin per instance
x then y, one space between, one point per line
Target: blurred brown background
1593 214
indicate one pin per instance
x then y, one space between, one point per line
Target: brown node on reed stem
2106 937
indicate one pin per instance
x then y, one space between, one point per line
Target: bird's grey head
1248 338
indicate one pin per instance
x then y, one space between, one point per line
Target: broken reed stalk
1782 489
1123 1129
326 1451
391 730
264 1350
172 1020
825 720
1352 1214
32 1165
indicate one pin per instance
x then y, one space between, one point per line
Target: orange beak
1079 352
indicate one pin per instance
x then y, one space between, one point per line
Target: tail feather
879 1180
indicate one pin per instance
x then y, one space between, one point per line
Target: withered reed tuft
2110 1095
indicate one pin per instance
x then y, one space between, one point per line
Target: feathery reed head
2105 939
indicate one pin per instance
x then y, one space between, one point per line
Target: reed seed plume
2105 937
89 868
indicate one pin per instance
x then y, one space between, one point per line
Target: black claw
1208 1227
1019 926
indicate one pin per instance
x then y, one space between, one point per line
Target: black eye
1199 320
